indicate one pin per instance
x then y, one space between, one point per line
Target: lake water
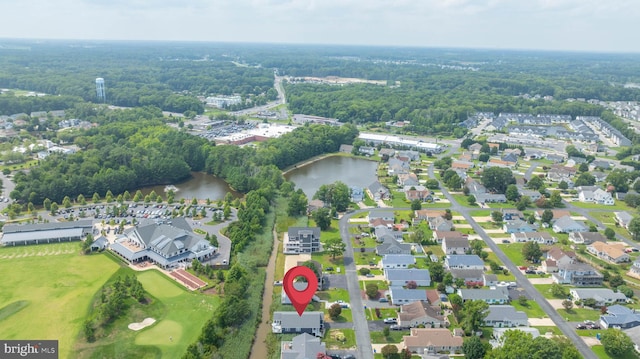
200 185
351 171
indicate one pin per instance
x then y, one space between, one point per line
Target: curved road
522 280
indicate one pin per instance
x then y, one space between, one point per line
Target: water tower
102 97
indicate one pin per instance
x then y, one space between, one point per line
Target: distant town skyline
565 25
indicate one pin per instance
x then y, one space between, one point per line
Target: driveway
548 280
335 281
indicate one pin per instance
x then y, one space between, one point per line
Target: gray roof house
397 261
620 317
303 346
400 295
499 295
357 194
383 233
392 246
440 224
602 296
302 240
470 276
578 274
24 234
623 218
400 277
586 237
99 244
291 322
455 245
377 191
567 225
518 226
505 316
456 261
166 244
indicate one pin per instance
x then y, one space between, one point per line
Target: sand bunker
145 323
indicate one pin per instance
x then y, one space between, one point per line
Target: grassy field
618 206
532 309
180 315
462 200
599 350
514 252
50 287
580 314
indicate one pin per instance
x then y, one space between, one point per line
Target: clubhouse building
168 244
42 233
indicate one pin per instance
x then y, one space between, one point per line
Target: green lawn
462 200
514 252
395 336
580 314
366 257
599 350
532 309
545 290
180 315
384 313
382 285
480 213
334 294
345 316
619 206
327 261
544 330
398 200
331 341
47 290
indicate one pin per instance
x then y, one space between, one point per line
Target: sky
570 25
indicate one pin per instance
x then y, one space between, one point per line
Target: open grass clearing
395 336
599 351
331 338
532 309
48 292
580 314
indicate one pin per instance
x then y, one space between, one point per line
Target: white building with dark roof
25 234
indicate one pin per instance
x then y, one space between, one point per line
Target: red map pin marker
298 298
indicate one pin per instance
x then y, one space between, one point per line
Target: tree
471 199
619 179
512 193
81 200
473 348
436 270
297 203
609 233
386 332
556 199
563 185
535 183
335 310
473 314
558 291
567 304
364 271
547 216
96 197
456 301
484 157
54 208
372 290
496 216
66 202
616 343
628 292
531 251
47 204
616 281
584 167
389 351
522 300
322 217
497 179
585 179
412 284
335 246
432 184
336 195
523 203
226 211
416 205
634 228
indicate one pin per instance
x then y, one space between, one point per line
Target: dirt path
259 347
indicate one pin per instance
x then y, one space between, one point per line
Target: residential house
291 323
397 167
599 176
598 196
621 317
610 252
602 296
471 277
426 214
440 224
431 341
400 295
378 192
463 261
489 280
510 214
475 148
389 152
567 225
634 271
534 195
384 215
490 197
461 165
555 158
499 295
599 164
518 225
557 214
400 277
302 240
346 149
397 261
357 194
99 244
408 179
495 162
411 155
420 313
539 237
367 151
623 218
383 233
559 256
303 346
440 236
575 161
392 246
578 274
560 173
505 316
586 237
455 245
510 158
418 192
533 155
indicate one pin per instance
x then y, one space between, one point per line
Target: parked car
383 300
581 326
506 241
390 320
530 271
369 275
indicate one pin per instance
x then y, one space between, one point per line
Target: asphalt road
585 213
521 279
